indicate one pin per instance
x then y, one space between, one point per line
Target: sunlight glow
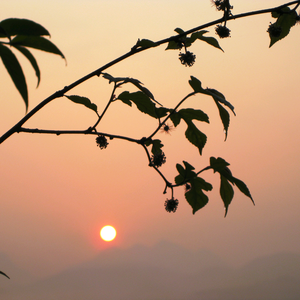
108 233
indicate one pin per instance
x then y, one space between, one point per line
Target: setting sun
108 233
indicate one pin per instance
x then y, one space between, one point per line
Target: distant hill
18 276
167 272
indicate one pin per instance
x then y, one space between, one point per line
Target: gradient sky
57 192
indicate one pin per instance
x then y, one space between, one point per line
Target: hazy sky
57 192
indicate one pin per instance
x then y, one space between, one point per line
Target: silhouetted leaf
186 173
4 274
14 26
179 30
156 146
83 100
225 117
210 40
218 164
219 97
3 33
36 42
142 101
195 196
173 45
15 71
189 114
146 43
226 192
195 136
196 85
242 187
175 118
285 20
32 60
161 111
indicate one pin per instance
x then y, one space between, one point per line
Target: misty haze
165 271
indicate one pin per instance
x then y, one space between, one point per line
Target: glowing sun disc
108 233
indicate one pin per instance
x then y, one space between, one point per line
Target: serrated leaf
84 101
196 85
189 114
15 71
285 21
195 196
15 26
242 187
32 60
226 192
36 42
195 136
2 273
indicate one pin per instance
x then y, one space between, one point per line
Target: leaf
225 117
195 136
161 111
195 196
135 82
286 19
179 30
221 166
210 40
185 174
15 71
36 42
173 45
219 97
226 192
3 33
4 274
156 146
83 100
196 85
145 43
14 26
32 60
218 164
142 101
189 114
125 98
243 188
175 118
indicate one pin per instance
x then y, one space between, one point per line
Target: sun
108 233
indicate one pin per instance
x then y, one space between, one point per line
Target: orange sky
57 192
